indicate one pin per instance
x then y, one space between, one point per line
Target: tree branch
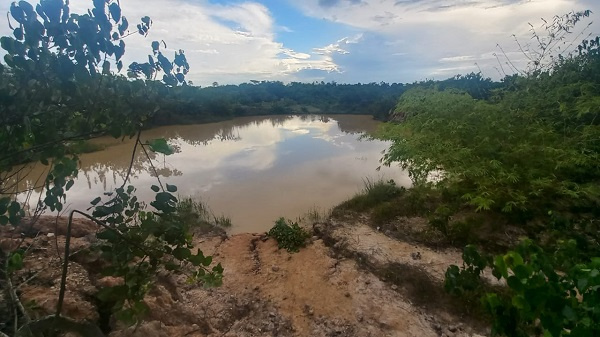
137 141
153 168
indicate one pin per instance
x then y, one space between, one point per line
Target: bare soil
350 280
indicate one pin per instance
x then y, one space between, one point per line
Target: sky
346 41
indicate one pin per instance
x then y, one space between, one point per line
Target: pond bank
350 280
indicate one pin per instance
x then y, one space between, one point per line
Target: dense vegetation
190 104
56 89
524 158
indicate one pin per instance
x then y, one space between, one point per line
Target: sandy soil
346 282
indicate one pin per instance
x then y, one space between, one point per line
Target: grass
223 221
198 216
314 214
373 193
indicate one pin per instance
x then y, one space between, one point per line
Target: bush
538 300
385 212
289 235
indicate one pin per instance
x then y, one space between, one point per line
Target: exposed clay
344 283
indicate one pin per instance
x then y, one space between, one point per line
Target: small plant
199 216
538 299
289 235
223 221
373 194
314 214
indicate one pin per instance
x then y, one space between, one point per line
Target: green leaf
15 262
171 188
181 253
513 259
108 235
4 202
96 201
569 313
500 269
198 259
115 11
160 145
218 269
155 188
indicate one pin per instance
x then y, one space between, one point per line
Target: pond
253 170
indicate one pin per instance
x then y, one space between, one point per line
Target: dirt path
339 285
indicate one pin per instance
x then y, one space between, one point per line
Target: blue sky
347 41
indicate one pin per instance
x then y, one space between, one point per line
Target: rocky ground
350 280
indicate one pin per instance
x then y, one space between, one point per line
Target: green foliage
459 281
516 154
289 235
539 299
57 90
137 242
525 152
373 194
14 261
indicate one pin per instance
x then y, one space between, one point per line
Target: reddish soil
342 284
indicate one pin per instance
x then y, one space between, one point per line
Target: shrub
538 299
385 212
289 235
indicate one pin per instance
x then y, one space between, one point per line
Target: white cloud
387 40
338 47
432 33
226 43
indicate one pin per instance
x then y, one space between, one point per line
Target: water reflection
253 169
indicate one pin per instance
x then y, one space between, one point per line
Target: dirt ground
350 280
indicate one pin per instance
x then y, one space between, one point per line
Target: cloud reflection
253 169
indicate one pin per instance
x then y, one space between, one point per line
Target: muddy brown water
253 170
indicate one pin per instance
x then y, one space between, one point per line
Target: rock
453 328
50 235
394 287
109 281
275 268
308 310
